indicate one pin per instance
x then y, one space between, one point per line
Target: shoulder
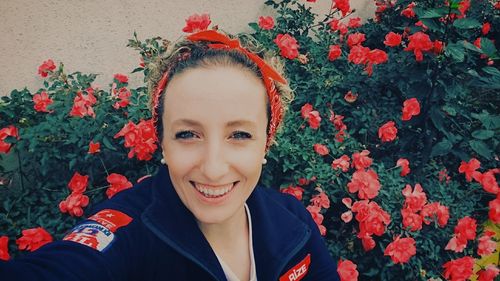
131 201
276 199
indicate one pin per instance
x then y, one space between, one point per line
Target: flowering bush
390 142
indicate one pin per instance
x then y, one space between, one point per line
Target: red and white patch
98 233
92 235
111 219
297 272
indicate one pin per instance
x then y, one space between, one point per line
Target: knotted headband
222 41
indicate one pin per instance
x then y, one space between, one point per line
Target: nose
214 164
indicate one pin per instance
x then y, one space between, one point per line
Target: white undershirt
230 276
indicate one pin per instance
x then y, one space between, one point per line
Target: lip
214 200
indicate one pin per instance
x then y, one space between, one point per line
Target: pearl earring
163 161
264 161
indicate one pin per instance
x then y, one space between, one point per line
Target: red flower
342 5
371 217
463 7
41 101
489 273
195 23
266 23
346 216
288 46
4 248
367 241
46 67
377 56
411 219
419 42
9 131
124 95
494 212
360 160
469 168
464 230
355 39
497 5
336 24
365 183
438 47
408 11
358 54
78 183
341 163
488 180
456 244
392 39
321 149
414 200
311 116
334 53
73 204
459 269
117 183
317 217
121 78
305 109
435 211
94 147
354 22
33 239
388 132
401 249
405 166
295 191
141 138
347 270
320 199
486 245
411 107
82 105
350 97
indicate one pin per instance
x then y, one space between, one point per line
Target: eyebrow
195 123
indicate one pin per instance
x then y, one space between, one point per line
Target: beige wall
90 35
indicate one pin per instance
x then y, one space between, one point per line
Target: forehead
215 93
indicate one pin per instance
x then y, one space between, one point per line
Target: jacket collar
277 233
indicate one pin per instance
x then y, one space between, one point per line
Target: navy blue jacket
163 242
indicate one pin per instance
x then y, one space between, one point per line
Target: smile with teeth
211 191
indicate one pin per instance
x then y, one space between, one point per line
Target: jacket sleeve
92 250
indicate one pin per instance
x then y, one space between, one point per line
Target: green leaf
432 24
441 148
254 26
483 134
481 148
488 47
455 51
431 13
108 144
469 46
466 23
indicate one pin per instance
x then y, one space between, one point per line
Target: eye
185 135
240 135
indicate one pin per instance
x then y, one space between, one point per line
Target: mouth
214 191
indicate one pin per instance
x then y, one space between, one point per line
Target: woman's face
214 126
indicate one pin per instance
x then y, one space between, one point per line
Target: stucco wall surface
91 35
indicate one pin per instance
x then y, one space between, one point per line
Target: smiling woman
216 107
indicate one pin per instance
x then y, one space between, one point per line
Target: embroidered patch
111 219
297 272
91 234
